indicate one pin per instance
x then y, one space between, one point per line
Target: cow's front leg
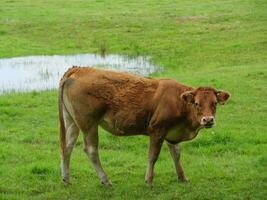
154 150
175 151
91 149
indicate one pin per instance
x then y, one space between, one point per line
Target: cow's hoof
149 184
66 182
183 179
107 183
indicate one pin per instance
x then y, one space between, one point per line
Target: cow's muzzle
208 121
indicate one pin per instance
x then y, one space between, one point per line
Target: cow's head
204 101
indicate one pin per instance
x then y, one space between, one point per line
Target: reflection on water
44 72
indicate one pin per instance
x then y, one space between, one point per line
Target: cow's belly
180 133
119 128
110 127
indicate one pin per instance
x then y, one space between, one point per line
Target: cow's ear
222 96
188 97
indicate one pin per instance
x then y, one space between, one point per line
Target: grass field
221 43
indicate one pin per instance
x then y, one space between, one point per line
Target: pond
44 72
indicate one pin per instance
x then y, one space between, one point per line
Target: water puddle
44 72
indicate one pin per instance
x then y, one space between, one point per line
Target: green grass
203 42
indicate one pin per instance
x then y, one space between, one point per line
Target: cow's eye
215 103
196 104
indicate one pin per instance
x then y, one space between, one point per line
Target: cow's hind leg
175 153
72 132
91 149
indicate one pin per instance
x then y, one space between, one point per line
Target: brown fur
127 104
62 129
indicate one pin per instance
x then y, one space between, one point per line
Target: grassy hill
220 43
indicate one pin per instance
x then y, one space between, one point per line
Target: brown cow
125 104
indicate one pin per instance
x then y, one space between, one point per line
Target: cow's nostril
208 121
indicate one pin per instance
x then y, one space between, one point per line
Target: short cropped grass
217 43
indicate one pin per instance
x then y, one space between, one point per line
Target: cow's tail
62 129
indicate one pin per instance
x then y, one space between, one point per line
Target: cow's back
121 102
